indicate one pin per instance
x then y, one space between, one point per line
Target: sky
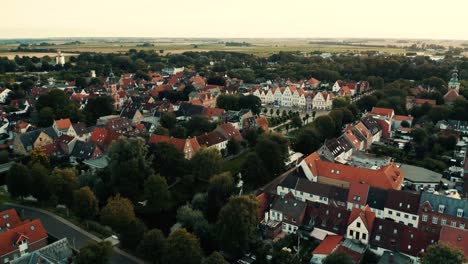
428 19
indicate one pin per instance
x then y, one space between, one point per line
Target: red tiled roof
263 203
358 193
262 122
382 111
178 143
420 101
33 231
50 149
355 256
328 245
230 131
455 237
386 177
210 112
402 118
211 139
9 217
62 123
313 81
365 214
451 95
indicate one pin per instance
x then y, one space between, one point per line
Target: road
59 227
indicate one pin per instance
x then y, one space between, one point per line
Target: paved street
60 228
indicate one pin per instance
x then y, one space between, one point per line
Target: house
229 131
79 131
356 139
360 224
337 86
325 248
357 195
25 143
9 219
213 114
451 96
322 101
307 191
402 207
289 212
187 146
412 102
336 149
436 211
85 151
61 126
22 239
313 83
132 113
385 177
375 129
388 235
262 123
213 139
455 237
326 220
59 252
398 119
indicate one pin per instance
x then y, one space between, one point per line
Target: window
380 227
459 212
406 216
462 226
293 220
358 224
395 231
453 224
400 204
6 260
398 214
414 217
424 218
364 236
377 238
351 233
443 221
441 208
390 212
435 220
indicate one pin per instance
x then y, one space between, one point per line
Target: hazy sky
235 18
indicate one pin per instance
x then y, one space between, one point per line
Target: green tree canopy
118 213
215 258
220 188
85 203
183 248
96 253
19 181
206 163
153 246
157 193
443 253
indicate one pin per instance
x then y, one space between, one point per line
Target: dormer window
459 212
401 204
395 231
441 208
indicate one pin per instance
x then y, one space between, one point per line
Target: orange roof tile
62 123
328 245
382 111
365 214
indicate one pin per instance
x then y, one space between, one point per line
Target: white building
60 58
360 224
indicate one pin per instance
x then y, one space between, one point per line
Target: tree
97 107
132 233
233 147
251 102
118 213
168 120
168 161
367 102
97 253
46 117
419 136
38 156
206 163
271 153
253 170
405 123
220 188
271 111
153 246
325 126
215 258
85 203
338 258
237 224
128 166
308 141
228 102
198 125
183 248
63 182
19 181
443 253
296 121
157 193
41 182
194 221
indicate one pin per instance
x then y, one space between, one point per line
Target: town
223 157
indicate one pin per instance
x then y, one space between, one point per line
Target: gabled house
85 151
436 211
388 235
376 200
336 149
326 220
79 131
325 248
402 207
230 132
289 212
132 113
25 143
61 126
187 146
356 142
213 139
9 219
360 224
22 239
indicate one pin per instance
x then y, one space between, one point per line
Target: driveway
60 228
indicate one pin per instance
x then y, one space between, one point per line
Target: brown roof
455 237
62 124
366 215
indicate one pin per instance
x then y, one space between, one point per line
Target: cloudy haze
236 18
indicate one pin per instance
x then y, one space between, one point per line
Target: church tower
454 83
60 58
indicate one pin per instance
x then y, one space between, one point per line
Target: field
258 47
